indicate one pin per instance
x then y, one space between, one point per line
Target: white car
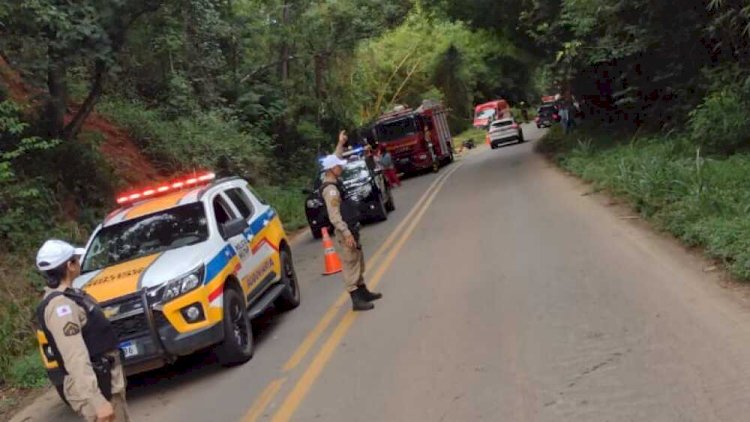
504 131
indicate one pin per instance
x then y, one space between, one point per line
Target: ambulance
184 266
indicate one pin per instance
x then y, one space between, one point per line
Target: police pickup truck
186 265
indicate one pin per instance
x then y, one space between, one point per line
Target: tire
290 298
316 233
237 347
382 212
390 205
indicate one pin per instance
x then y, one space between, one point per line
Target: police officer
344 216
81 338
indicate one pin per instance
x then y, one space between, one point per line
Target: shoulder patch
63 310
71 329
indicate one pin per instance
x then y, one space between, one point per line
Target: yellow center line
325 321
313 371
266 397
264 400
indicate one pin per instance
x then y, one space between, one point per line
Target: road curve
509 296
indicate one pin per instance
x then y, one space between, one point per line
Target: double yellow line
392 245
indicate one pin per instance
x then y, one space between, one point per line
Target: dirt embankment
118 147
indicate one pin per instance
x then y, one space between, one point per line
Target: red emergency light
172 186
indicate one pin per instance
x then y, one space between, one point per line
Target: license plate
129 349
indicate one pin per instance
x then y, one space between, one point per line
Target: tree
89 33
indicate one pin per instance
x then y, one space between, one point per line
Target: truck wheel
237 347
390 205
289 299
381 211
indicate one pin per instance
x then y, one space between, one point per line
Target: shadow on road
198 366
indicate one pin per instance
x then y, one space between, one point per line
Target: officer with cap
344 216
81 339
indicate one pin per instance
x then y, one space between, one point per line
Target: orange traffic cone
332 261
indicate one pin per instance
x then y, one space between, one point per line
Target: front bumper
412 164
151 341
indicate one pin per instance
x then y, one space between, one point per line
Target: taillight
555 116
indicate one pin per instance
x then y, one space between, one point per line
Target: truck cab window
222 211
241 201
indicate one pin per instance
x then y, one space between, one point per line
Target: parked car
504 131
547 115
183 266
364 183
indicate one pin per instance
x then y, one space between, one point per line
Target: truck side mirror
233 228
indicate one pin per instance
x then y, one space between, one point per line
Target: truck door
225 212
255 278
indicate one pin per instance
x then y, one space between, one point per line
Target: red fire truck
485 114
417 139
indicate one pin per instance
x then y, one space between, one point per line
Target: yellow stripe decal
119 280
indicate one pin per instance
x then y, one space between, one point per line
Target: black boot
359 303
368 295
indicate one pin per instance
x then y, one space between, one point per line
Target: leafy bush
288 201
205 140
720 123
28 372
703 201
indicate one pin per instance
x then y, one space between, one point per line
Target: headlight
183 284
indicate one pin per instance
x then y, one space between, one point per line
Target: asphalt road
510 295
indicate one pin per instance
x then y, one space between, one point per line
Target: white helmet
332 161
55 253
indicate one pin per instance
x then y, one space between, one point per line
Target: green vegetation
701 199
97 96
477 135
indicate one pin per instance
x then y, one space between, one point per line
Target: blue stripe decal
257 225
218 263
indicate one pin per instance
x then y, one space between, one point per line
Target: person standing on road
389 169
81 338
344 216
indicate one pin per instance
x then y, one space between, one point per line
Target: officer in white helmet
81 339
343 214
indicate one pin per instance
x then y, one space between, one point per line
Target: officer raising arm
82 341
344 216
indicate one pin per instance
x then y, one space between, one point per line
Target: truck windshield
396 129
487 113
354 171
170 229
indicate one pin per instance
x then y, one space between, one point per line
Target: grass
703 200
289 202
475 134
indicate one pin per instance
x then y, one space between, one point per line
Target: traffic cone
332 261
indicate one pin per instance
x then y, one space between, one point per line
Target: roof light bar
171 186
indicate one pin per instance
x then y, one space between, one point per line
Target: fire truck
417 139
485 114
